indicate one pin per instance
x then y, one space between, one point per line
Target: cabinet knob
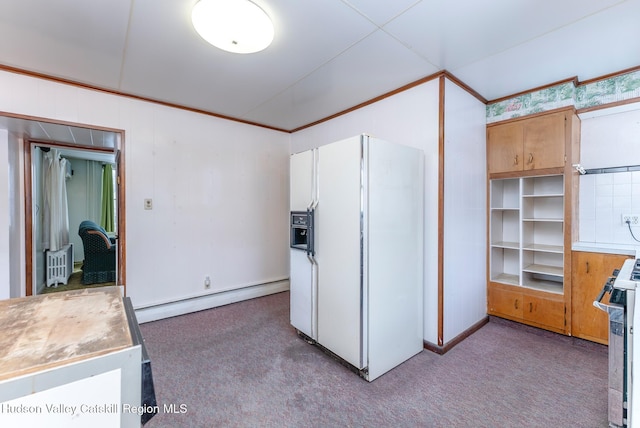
530 157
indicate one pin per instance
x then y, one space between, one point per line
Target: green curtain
107 215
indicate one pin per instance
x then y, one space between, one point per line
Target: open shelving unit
527 232
532 201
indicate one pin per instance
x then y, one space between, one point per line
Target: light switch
148 204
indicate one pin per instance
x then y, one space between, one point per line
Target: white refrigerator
356 255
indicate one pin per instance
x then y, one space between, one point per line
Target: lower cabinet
590 271
533 307
505 302
547 311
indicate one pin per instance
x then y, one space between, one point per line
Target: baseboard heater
59 265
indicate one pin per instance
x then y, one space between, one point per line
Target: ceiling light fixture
238 26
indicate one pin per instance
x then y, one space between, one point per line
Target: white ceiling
327 55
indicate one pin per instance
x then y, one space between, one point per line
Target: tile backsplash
603 199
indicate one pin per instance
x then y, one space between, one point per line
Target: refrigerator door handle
310 234
314 181
312 205
314 296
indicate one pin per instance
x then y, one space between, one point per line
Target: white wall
465 211
4 214
409 118
219 190
610 138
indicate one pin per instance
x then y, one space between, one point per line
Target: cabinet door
546 311
543 141
504 147
590 271
505 302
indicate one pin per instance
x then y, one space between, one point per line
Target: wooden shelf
544 270
546 286
550 195
544 248
506 278
508 245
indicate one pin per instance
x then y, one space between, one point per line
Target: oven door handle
610 309
601 306
605 289
608 286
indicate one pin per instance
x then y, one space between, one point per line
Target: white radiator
59 265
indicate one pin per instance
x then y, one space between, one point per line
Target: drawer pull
530 307
530 157
515 160
516 304
587 267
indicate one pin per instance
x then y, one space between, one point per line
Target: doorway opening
86 172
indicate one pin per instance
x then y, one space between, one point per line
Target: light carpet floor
243 365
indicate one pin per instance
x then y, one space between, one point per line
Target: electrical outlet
207 282
633 219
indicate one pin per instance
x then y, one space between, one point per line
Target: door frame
118 153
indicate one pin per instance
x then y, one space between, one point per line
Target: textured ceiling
327 55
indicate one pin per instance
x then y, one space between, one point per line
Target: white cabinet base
99 392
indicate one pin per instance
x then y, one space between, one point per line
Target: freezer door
302 311
302 273
338 244
301 181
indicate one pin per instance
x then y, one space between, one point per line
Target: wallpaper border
606 91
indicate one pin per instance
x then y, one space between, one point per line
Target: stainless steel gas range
621 287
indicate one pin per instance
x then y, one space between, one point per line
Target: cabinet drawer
544 311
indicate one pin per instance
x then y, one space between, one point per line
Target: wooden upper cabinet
504 148
527 144
543 141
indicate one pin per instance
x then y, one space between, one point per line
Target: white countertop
50 330
597 247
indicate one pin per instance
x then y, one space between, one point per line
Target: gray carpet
243 365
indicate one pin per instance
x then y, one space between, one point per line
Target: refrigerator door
301 271
338 250
395 254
